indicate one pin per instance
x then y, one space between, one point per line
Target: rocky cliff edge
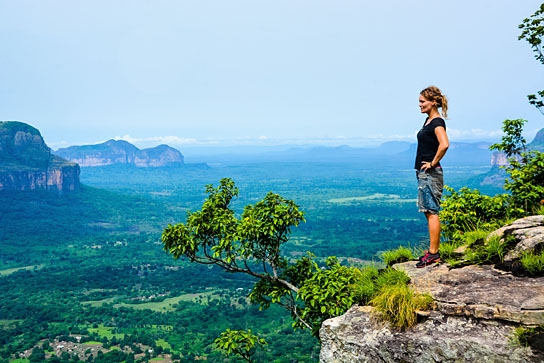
476 310
26 162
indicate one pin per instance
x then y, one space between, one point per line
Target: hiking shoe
428 259
424 256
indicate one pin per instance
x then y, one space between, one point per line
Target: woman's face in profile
425 105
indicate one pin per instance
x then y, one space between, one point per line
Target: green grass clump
395 301
448 255
490 251
401 254
528 336
475 237
391 276
447 250
398 304
367 288
533 263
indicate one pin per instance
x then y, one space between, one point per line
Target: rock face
473 320
499 158
26 163
121 152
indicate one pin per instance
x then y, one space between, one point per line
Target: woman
432 144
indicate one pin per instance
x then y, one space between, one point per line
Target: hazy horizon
245 72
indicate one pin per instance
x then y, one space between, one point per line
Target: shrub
526 181
239 342
467 210
331 291
447 250
525 169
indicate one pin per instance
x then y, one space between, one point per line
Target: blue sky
251 72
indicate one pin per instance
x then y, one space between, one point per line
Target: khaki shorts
430 184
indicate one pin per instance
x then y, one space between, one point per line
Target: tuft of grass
446 250
388 291
367 288
398 304
491 251
475 237
391 276
401 254
532 263
454 262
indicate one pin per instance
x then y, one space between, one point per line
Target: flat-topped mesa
121 152
26 162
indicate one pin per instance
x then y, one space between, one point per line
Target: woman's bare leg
433 222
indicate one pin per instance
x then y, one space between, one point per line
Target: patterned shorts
430 184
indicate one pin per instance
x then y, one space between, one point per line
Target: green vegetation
533 263
398 304
468 210
490 251
251 245
468 216
90 265
242 343
88 269
71 264
528 337
401 254
533 32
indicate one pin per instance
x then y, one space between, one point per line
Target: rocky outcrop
499 158
529 232
475 312
357 337
121 152
26 162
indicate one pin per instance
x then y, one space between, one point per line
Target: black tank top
427 142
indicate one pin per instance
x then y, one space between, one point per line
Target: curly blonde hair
433 93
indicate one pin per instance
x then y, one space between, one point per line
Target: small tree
251 244
513 142
525 169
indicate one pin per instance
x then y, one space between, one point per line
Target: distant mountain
121 152
538 142
497 175
26 162
393 154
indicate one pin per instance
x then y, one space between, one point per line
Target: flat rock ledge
358 337
480 292
476 311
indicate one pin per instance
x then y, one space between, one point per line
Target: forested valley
84 276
